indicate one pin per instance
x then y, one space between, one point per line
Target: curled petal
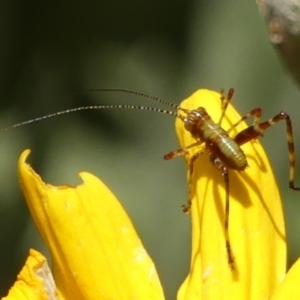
256 225
95 250
35 281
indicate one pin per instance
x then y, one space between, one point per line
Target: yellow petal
256 225
289 288
35 281
95 250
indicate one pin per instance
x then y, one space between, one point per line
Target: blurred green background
53 51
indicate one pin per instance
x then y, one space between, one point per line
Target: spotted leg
224 171
252 132
187 207
256 112
225 101
181 152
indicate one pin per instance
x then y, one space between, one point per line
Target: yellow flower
96 253
256 225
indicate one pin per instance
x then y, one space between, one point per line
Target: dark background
53 51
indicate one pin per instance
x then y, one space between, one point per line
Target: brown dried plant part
283 21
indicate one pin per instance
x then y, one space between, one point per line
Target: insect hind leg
256 130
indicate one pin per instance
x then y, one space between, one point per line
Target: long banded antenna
91 107
137 94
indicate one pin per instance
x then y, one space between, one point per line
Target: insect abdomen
227 150
216 139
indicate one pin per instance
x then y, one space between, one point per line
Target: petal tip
24 156
84 176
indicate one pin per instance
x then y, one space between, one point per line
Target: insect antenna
145 96
137 94
91 107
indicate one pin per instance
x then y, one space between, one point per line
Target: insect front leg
181 152
187 207
256 130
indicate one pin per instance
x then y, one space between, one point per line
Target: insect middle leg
224 171
256 112
181 151
225 101
252 132
230 258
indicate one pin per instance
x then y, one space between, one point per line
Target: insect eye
188 123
